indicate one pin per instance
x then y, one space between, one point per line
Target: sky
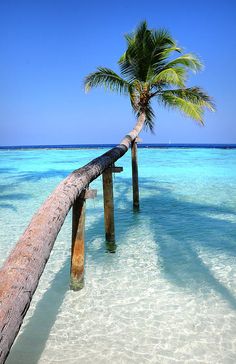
47 47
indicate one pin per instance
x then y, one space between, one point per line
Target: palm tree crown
149 70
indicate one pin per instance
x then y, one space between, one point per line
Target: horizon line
105 145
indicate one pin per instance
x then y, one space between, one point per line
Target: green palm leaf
189 61
197 96
108 79
144 49
150 115
192 101
172 76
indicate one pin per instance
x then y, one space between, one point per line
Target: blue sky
47 47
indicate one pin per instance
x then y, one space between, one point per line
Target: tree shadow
8 206
7 170
7 187
31 342
15 196
35 176
180 229
5 200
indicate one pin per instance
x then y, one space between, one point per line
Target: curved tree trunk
21 272
135 132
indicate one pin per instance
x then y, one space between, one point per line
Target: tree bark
21 272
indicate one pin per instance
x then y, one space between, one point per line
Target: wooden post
108 205
135 175
77 248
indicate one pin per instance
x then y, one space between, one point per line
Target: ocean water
166 294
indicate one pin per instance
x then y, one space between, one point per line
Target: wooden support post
77 248
108 205
135 175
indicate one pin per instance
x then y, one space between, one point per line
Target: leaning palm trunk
132 135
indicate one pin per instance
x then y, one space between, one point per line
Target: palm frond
128 68
170 76
162 38
195 95
191 101
108 79
135 62
147 52
188 108
163 45
190 61
129 62
150 116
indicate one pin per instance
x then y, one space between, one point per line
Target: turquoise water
167 295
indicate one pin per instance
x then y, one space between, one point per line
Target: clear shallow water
167 295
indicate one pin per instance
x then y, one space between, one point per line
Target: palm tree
150 70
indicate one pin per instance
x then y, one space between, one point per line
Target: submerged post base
136 207
111 247
76 285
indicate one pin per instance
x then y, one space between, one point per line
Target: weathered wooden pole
108 201
135 175
77 247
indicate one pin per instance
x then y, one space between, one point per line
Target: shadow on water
180 230
8 206
77 162
7 187
30 344
35 176
5 200
15 197
7 170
